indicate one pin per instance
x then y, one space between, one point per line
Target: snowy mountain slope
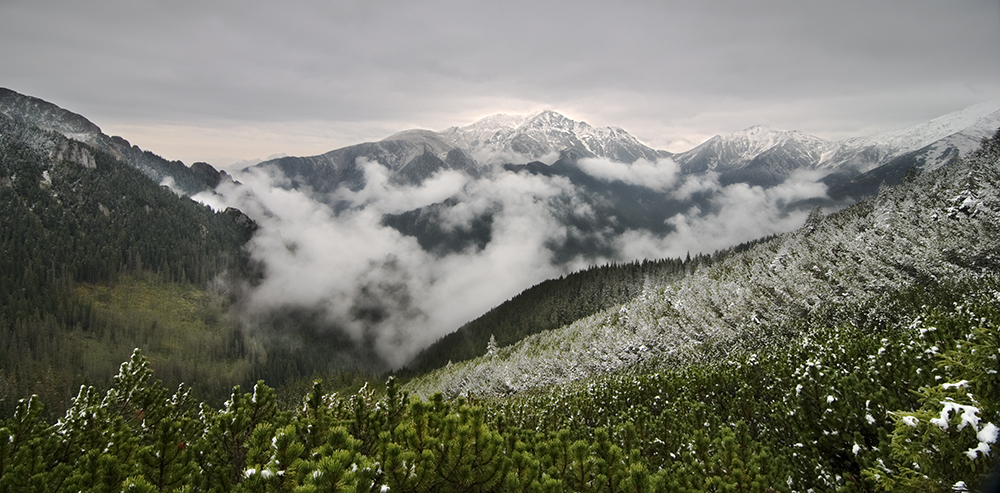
765 157
736 151
48 116
757 156
961 129
478 148
945 224
975 123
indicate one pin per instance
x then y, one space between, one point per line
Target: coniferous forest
98 260
908 405
895 390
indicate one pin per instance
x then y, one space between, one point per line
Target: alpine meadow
524 303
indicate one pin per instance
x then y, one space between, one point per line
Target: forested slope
548 305
77 223
558 302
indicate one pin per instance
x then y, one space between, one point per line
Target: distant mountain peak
757 129
550 119
504 138
496 122
735 151
763 132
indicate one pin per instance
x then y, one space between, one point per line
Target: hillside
941 226
80 222
558 302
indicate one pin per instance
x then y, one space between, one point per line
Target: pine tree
491 346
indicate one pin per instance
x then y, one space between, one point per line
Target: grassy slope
185 330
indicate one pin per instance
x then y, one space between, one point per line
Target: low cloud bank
661 175
375 284
739 213
371 281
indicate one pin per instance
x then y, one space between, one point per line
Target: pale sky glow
231 81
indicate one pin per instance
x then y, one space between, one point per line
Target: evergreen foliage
82 228
833 409
548 305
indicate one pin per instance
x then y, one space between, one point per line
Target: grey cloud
665 71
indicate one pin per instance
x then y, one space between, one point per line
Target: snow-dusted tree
949 441
491 347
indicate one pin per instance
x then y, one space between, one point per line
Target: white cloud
661 175
388 198
349 265
347 262
739 213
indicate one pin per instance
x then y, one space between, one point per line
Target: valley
765 312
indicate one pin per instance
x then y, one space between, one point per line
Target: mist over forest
335 254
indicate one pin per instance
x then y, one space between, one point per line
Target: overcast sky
229 81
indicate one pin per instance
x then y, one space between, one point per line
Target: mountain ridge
757 155
49 116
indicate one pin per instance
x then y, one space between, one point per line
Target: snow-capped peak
503 138
549 119
763 138
960 130
499 121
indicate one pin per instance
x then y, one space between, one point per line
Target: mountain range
940 225
758 156
551 145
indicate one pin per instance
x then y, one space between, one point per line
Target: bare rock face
47 116
207 172
242 219
74 153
